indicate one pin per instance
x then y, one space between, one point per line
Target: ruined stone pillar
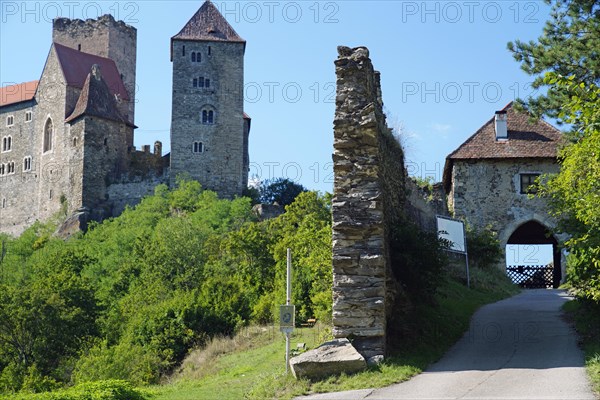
359 237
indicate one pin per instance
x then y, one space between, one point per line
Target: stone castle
67 139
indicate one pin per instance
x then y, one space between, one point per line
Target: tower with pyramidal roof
209 130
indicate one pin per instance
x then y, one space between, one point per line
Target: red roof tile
525 140
96 100
76 66
17 93
208 24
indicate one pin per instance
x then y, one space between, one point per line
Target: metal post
288 302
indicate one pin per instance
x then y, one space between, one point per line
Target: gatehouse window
528 183
10 120
48 132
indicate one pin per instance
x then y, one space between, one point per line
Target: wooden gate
532 276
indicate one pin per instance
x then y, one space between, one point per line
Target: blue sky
444 64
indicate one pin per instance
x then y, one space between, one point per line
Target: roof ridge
208 24
96 99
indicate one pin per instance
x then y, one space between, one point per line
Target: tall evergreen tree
569 46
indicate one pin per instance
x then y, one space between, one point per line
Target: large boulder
330 358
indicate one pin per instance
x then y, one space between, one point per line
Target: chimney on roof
500 125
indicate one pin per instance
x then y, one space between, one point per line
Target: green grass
255 368
586 319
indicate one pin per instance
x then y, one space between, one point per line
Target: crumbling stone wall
372 195
368 198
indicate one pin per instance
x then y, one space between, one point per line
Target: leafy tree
569 46
573 193
280 190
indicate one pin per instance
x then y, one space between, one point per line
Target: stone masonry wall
368 195
372 195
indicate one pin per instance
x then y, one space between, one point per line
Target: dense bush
132 296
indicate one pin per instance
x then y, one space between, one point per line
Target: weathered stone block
330 358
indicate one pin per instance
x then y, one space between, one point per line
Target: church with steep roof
67 139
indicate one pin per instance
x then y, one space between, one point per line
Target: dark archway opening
534 233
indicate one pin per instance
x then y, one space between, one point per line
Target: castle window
198 57
2 169
195 84
74 142
10 168
193 56
183 51
48 131
208 117
198 147
528 185
4 203
6 143
106 141
51 194
10 120
201 81
209 50
27 164
79 47
28 116
207 83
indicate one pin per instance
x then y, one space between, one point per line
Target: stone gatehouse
488 180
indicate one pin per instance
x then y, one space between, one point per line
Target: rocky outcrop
330 358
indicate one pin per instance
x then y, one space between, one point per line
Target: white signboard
453 231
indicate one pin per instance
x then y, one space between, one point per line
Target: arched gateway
527 262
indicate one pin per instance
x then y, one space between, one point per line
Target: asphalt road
517 349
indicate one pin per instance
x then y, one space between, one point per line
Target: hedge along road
518 348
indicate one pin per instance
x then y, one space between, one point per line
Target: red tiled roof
96 100
17 93
208 24
76 66
526 139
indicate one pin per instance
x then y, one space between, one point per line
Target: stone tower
108 38
209 130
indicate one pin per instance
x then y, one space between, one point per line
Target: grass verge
253 367
586 319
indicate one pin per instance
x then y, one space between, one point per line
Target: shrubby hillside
132 296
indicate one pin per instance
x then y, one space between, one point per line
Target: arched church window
48 132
